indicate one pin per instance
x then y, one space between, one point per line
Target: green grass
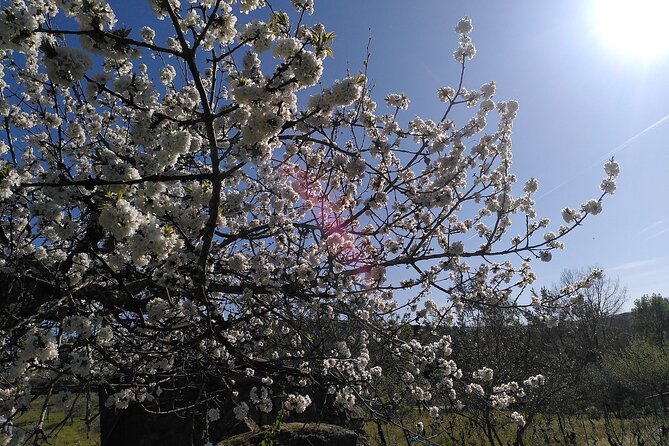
70 432
545 430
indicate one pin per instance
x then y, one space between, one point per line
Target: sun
637 29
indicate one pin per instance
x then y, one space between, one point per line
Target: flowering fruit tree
188 206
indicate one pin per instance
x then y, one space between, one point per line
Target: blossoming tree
193 209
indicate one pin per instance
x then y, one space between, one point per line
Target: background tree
643 369
209 227
650 318
594 308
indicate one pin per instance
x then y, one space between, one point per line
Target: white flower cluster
241 411
303 5
122 219
8 179
258 35
90 14
213 414
398 100
518 418
535 381
484 374
345 398
298 403
342 93
246 6
466 50
66 65
124 397
506 394
262 400
16 27
475 389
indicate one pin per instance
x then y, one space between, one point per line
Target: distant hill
622 320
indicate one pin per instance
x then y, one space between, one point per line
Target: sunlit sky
583 96
590 84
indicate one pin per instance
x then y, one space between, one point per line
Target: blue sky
580 97
580 100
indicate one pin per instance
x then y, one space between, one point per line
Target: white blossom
214 414
464 26
66 65
241 411
593 207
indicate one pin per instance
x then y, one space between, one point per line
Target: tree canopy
650 317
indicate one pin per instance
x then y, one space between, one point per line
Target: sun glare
636 29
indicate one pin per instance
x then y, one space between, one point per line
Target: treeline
604 375
594 361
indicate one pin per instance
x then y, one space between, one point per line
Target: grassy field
546 430
72 432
